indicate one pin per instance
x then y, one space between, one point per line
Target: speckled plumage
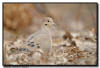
43 38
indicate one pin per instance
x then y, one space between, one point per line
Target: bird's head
48 23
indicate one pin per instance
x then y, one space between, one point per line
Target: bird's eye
48 21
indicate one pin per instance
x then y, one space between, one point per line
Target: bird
42 39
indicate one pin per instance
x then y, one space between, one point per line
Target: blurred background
21 20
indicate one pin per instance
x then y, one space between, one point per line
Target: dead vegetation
70 52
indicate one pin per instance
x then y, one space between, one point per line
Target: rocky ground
72 49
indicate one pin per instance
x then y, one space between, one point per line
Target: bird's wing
40 39
33 35
44 42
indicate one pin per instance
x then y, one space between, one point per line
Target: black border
97 19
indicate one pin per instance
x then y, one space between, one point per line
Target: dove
42 39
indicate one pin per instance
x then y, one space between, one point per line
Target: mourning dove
43 38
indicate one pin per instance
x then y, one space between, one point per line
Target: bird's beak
54 24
